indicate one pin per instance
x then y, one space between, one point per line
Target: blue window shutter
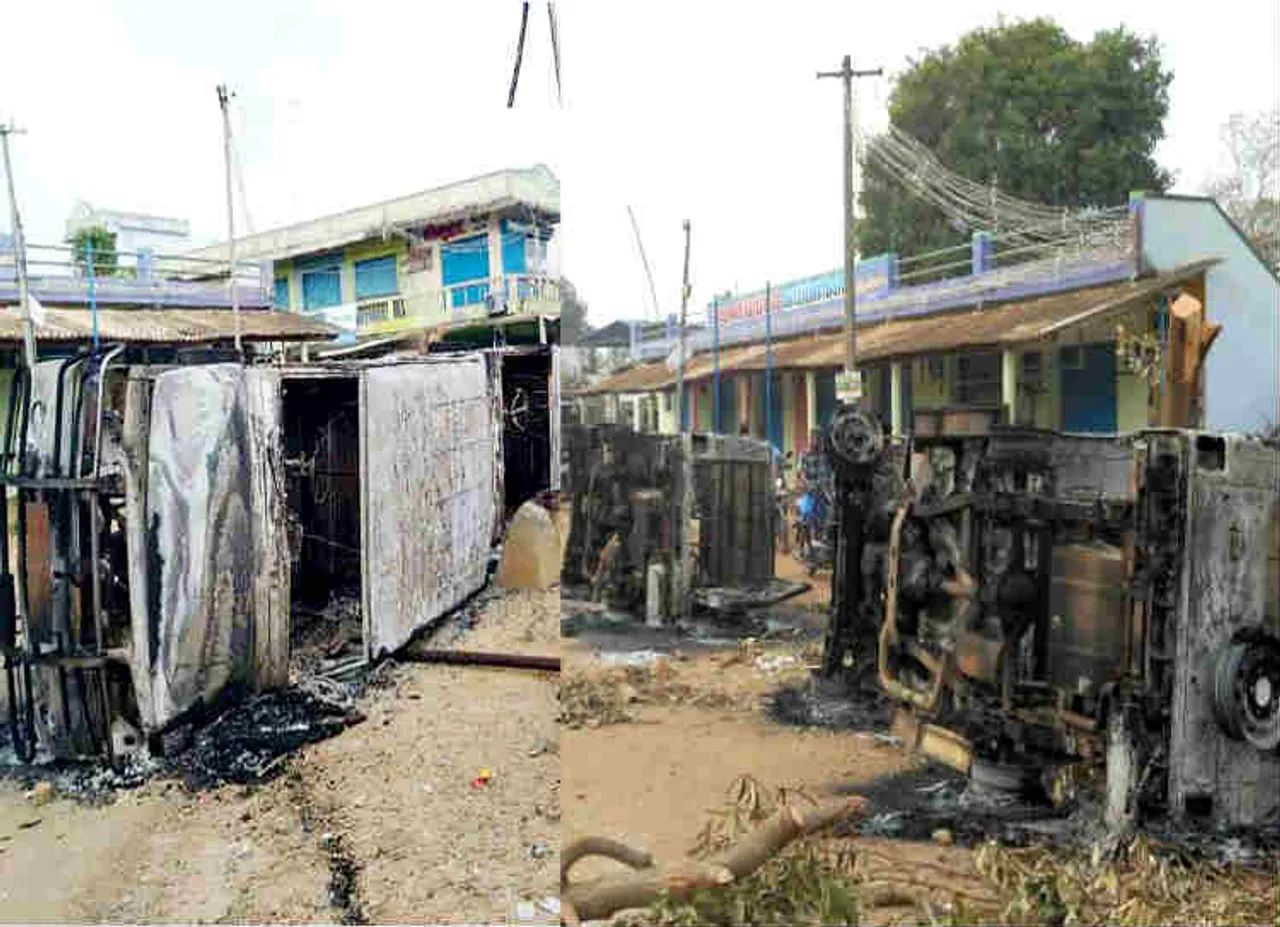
468 259
321 289
282 293
376 277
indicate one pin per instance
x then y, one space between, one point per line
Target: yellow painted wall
1132 393
667 412
926 392
706 414
788 380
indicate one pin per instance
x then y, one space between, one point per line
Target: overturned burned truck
624 537
172 521
1040 603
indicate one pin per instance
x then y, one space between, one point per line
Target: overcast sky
702 110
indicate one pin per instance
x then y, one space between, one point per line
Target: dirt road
651 781
380 823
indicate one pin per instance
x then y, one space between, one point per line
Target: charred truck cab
1042 605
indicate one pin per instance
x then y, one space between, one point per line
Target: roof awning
996 325
166 326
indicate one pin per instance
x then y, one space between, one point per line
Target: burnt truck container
1044 602
625 483
168 518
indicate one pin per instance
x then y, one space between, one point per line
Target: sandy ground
381 823
651 781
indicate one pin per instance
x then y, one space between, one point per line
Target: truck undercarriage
1041 604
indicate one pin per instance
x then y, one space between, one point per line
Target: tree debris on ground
596 698
723 881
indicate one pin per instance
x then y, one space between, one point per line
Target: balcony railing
472 300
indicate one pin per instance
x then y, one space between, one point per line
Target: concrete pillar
788 385
742 407
811 399
895 398
1009 384
982 252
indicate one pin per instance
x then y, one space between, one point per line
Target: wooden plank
268 511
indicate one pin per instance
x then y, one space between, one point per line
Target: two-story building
476 253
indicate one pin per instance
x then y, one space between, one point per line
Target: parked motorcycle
813 530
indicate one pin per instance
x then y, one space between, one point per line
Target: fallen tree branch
601 846
480 658
600 898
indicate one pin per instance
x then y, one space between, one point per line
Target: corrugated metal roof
166 326
1003 323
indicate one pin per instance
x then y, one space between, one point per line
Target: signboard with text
849 386
872 276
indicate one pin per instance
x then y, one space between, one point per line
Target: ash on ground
246 743
858 705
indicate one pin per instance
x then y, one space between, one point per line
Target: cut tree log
600 898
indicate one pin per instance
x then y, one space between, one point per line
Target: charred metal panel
199 535
428 455
1233 504
736 510
271 586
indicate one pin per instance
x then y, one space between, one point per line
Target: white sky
700 109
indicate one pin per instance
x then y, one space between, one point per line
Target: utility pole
847 74
685 578
19 255
223 99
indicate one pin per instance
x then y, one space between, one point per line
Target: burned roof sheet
166 326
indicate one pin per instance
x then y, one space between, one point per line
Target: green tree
1055 121
105 259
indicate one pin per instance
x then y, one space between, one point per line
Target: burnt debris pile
248 742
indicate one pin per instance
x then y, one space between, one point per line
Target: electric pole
685 581
223 99
19 255
847 74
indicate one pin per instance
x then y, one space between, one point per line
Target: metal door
428 455
1088 388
